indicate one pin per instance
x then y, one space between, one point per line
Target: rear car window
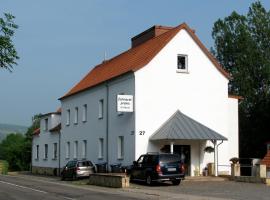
85 164
167 158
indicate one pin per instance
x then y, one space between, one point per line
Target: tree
242 46
8 53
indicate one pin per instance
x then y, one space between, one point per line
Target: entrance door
183 151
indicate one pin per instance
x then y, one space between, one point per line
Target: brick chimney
149 34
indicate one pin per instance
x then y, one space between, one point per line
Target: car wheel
62 177
148 180
176 182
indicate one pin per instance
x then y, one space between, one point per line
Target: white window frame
100 148
84 148
120 149
46 149
100 108
76 114
46 124
67 150
84 114
37 152
68 117
54 156
185 70
75 153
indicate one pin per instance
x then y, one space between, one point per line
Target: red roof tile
36 132
266 159
136 58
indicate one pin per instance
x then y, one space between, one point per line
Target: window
46 151
100 148
100 109
46 124
120 147
67 149
68 117
75 149
84 116
54 150
37 152
76 115
84 149
182 63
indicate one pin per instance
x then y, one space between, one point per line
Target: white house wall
202 93
46 137
95 128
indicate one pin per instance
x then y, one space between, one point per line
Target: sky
59 42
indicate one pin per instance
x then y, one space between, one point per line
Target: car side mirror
135 163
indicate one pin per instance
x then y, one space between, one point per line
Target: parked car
77 168
158 167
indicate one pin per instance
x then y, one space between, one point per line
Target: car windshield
167 158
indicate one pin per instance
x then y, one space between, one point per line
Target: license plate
171 169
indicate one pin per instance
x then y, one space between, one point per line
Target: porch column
171 147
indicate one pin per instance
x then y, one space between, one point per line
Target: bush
3 167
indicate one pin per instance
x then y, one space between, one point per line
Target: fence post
235 170
262 171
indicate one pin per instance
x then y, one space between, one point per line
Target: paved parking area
210 190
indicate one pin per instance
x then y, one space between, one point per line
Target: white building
179 98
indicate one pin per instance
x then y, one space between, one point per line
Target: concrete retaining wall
249 179
45 171
109 180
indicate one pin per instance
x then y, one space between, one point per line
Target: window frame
84 149
46 124
68 117
100 148
55 151
100 108
37 152
84 113
76 115
186 63
75 153
120 148
46 150
67 150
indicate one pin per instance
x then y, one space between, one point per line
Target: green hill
5 129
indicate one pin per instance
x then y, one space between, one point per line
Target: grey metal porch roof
181 127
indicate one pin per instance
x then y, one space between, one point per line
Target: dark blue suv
158 167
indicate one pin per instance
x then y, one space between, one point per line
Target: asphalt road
33 188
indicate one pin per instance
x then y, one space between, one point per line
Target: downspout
217 154
59 154
107 124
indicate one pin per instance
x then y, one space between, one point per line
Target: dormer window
182 65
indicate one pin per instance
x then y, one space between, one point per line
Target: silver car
78 168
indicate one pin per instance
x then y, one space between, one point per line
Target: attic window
182 65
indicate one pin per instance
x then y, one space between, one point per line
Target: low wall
249 179
109 180
45 171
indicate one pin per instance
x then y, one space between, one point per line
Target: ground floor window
37 152
100 148
120 147
67 149
46 151
54 150
84 149
75 149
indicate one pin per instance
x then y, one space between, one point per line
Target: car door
136 169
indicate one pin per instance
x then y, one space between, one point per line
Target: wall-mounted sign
124 103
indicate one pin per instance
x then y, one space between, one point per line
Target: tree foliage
8 53
242 46
16 148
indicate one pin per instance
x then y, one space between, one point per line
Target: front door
183 151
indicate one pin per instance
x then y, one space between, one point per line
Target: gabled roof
136 58
182 127
266 159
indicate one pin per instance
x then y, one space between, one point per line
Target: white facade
91 123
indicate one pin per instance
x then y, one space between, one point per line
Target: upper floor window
76 115
84 116
68 117
46 127
100 108
182 63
